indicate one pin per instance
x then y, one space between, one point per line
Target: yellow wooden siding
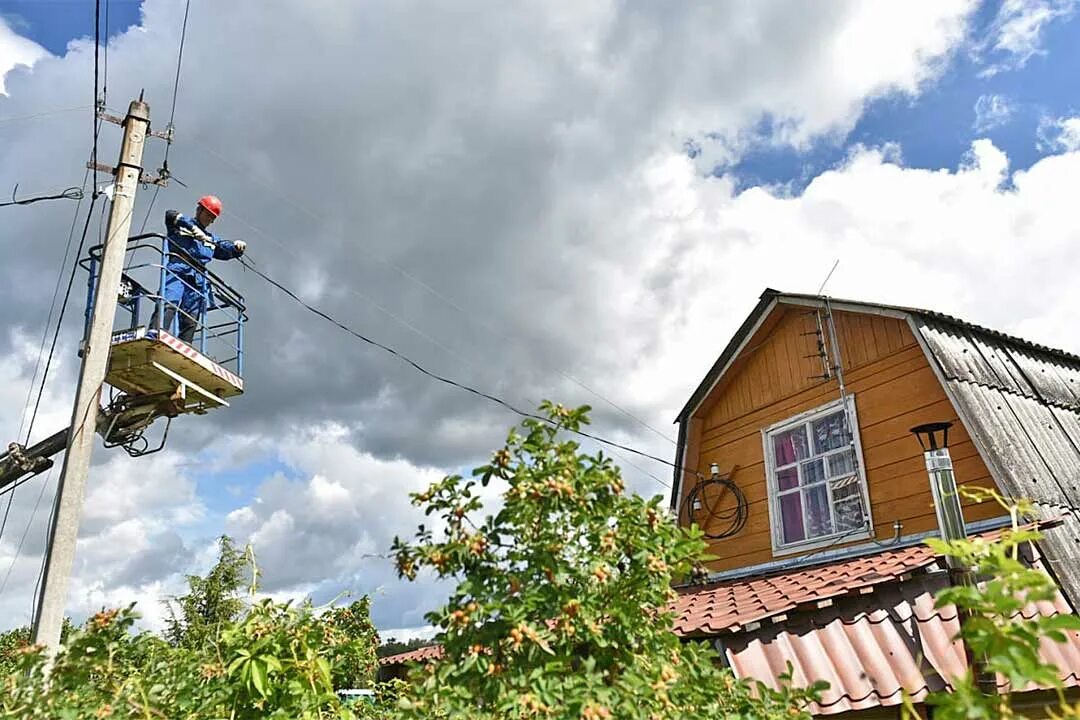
772 380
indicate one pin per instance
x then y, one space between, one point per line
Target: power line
52 306
105 73
45 372
26 531
98 102
91 409
431 290
235 216
71 193
45 113
176 82
172 115
41 347
60 320
453 383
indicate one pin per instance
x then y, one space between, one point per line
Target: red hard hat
211 204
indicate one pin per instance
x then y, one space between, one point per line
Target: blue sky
935 129
54 23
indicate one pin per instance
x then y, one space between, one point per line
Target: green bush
560 605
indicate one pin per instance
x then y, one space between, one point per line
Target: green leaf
1061 622
258 677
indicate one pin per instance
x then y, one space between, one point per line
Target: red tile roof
734 605
431 652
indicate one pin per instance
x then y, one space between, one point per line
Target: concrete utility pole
60 552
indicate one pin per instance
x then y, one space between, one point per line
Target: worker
186 285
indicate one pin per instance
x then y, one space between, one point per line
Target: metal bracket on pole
144 178
166 134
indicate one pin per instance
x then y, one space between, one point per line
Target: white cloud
1058 135
326 534
1015 35
16 51
425 632
524 161
992 111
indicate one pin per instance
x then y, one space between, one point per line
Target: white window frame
779 547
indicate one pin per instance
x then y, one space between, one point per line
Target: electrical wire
52 305
453 383
33 417
41 348
172 114
176 82
74 431
44 113
98 103
149 209
60 320
105 62
26 530
735 517
420 333
71 193
431 290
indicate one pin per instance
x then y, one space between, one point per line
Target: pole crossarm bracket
166 134
161 180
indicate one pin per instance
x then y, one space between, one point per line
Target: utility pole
60 552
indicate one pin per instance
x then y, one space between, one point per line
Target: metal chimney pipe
934 440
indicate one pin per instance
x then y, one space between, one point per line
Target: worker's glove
240 246
170 219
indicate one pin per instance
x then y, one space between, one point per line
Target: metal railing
216 328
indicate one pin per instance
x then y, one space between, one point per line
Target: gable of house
782 377
1015 406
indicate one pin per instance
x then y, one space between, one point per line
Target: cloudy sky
565 200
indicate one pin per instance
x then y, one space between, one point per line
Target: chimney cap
931 430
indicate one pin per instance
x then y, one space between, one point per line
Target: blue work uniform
186 285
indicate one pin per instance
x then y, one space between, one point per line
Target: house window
817 489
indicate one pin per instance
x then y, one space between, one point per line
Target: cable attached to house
698 499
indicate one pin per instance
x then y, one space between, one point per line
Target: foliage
13 641
274 660
211 601
352 624
998 634
561 605
275 663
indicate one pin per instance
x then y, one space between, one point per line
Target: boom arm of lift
122 424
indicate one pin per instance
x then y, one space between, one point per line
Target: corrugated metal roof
1021 405
873 649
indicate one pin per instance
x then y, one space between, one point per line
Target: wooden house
799 463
